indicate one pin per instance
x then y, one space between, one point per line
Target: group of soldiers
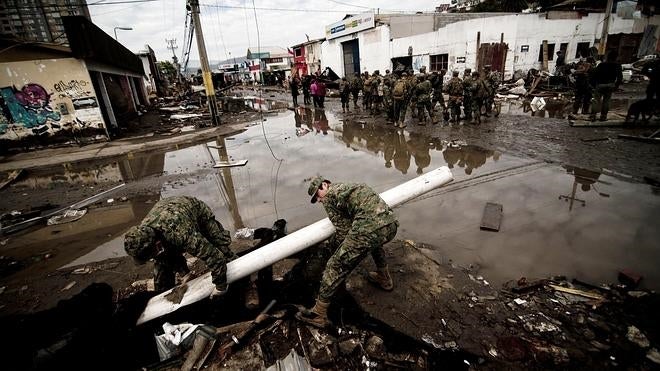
394 93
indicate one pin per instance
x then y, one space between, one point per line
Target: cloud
229 31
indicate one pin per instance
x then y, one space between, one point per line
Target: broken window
439 62
582 49
551 52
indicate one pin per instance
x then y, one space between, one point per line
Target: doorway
351 51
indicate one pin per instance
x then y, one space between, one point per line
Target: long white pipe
201 287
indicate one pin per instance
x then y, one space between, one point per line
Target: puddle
557 220
253 103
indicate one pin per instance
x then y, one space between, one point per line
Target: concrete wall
374 45
148 79
47 97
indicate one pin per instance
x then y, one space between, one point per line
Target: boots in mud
317 316
381 278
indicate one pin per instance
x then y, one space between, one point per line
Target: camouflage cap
139 242
314 186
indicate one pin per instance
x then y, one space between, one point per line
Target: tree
168 69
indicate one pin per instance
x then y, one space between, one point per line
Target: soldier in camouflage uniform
356 86
455 91
364 223
176 225
376 92
493 80
423 95
399 96
366 91
437 80
479 94
387 97
467 94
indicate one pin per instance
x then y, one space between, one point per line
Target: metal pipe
201 287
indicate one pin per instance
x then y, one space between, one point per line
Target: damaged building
81 92
507 41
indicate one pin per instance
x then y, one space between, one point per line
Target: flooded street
557 219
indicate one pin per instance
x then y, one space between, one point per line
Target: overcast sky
229 31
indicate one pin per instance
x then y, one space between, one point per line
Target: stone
375 347
347 347
636 336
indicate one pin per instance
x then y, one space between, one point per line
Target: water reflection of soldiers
390 139
470 157
297 117
401 154
321 121
419 148
348 133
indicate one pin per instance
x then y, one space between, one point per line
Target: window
551 52
439 62
582 49
298 52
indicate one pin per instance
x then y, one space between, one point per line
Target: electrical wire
222 39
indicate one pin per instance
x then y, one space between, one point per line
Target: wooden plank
11 177
585 294
221 164
492 217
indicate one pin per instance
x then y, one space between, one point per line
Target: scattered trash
69 286
292 362
188 128
244 234
173 336
537 103
221 164
85 270
492 217
183 116
653 355
347 347
585 294
636 336
493 352
520 301
110 200
302 131
147 283
637 294
67 217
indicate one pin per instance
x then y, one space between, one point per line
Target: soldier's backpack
399 89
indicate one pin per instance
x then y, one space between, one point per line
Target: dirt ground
32 287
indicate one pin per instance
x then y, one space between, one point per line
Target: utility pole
204 60
606 28
171 44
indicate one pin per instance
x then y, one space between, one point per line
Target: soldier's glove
218 292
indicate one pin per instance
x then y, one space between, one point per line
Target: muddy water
557 220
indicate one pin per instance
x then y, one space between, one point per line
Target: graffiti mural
28 107
73 89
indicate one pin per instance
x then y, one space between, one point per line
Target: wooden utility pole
606 28
545 55
171 44
476 60
204 60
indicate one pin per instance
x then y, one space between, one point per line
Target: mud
570 207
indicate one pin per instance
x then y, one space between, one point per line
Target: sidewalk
53 156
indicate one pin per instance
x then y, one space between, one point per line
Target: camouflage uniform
467 96
479 94
376 93
356 86
423 95
181 224
399 101
455 91
363 222
436 84
409 101
366 92
493 81
387 98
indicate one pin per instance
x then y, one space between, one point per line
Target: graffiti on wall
73 89
28 107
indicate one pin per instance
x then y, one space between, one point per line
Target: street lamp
121 28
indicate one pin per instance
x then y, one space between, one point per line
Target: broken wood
492 217
237 339
201 287
585 294
11 176
221 164
534 84
653 138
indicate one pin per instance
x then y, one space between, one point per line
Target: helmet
139 243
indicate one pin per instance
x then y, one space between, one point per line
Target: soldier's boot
402 124
317 316
381 278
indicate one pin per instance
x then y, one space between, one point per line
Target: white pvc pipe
201 287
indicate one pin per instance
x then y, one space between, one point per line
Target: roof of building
14 50
267 52
309 42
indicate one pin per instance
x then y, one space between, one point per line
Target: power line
357 6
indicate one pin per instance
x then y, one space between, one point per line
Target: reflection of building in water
587 180
126 169
469 157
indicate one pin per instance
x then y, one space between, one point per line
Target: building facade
39 20
269 64
307 58
507 41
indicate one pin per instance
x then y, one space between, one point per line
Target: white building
451 41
